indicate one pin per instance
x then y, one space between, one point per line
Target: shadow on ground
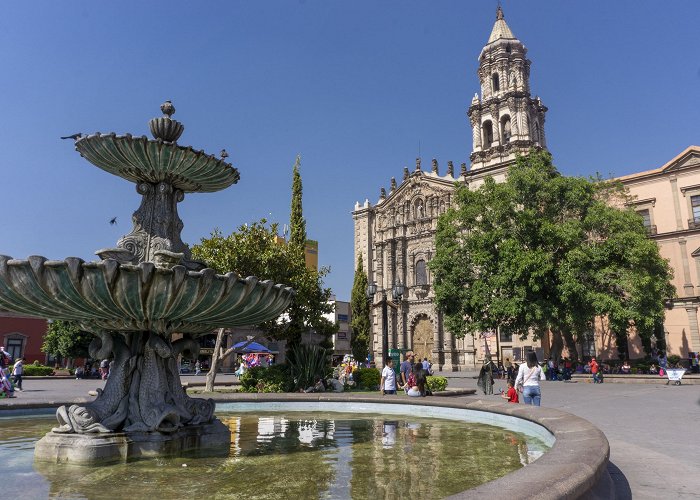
622 486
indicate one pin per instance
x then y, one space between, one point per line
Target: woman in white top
529 376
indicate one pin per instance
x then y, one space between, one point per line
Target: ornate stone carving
450 169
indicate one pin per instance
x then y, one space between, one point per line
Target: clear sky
351 86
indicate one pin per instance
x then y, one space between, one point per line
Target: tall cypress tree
297 224
360 323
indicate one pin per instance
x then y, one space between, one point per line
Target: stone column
676 203
694 341
688 288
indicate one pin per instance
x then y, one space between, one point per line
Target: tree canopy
66 339
254 250
546 252
360 322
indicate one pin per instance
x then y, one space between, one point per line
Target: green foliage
543 251
674 359
435 383
276 378
34 370
66 339
360 322
254 251
307 364
367 378
297 224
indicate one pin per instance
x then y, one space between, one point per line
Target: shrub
674 359
436 384
34 370
261 379
367 378
308 363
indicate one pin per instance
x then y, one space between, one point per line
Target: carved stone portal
422 338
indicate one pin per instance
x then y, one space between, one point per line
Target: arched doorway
422 338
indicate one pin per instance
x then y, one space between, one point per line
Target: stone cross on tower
506 120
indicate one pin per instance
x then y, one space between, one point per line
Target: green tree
67 340
297 223
255 251
360 322
545 252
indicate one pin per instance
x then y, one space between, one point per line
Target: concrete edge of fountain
575 466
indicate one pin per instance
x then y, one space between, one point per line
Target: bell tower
505 120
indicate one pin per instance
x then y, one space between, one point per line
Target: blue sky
351 86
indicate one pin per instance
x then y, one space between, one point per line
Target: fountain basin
574 466
139 159
107 295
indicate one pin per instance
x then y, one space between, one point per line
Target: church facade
396 235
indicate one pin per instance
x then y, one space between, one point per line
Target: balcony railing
694 223
651 229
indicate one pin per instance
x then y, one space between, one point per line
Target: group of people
413 376
11 373
527 381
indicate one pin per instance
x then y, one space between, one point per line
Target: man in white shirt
388 382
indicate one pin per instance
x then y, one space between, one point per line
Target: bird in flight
75 137
112 221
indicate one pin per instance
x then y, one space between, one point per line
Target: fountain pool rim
574 467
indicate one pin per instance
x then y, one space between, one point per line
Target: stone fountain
134 299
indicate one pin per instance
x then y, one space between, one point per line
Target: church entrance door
422 339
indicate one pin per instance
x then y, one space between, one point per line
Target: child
511 395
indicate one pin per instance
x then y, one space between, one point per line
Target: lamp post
397 291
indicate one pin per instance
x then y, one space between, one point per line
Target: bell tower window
487 129
496 85
505 127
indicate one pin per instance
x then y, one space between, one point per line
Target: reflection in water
286 455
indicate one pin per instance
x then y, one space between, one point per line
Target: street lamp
397 291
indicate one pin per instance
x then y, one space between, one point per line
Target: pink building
668 198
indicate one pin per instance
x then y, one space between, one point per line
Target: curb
574 468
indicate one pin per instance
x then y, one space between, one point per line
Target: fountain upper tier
107 295
139 159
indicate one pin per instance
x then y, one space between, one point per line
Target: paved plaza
652 429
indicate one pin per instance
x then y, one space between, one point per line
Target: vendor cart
675 375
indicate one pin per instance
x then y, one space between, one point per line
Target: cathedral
396 236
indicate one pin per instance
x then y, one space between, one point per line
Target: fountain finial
165 128
167 108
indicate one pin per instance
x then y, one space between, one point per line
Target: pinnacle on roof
500 28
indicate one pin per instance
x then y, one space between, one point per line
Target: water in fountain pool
286 455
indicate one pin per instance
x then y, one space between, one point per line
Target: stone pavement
652 429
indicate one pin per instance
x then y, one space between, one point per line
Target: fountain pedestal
212 438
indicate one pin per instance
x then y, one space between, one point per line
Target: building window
505 336
487 133
496 84
343 318
342 335
14 347
695 207
421 273
588 345
645 214
505 126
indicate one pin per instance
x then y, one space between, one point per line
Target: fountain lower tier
142 411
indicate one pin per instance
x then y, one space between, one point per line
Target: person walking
198 368
17 372
485 379
388 382
593 364
528 379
